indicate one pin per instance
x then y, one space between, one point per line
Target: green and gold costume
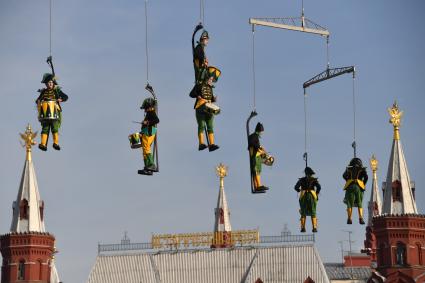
148 132
356 178
53 126
309 189
256 153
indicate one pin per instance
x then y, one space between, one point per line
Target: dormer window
23 209
396 188
42 210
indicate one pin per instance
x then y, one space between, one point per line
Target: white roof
242 264
397 171
28 190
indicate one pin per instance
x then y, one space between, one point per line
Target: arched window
419 247
42 210
40 270
381 255
23 209
21 270
396 187
401 254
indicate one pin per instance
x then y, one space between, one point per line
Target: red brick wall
35 249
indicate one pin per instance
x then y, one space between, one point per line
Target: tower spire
398 189
28 250
28 209
375 203
222 227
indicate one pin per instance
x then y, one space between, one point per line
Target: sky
91 188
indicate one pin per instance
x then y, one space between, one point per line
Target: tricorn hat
48 77
204 34
356 162
308 171
259 127
148 103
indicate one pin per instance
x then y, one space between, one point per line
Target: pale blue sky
91 189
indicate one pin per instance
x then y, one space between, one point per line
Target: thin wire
201 11
354 108
146 41
50 23
305 122
327 52
253 66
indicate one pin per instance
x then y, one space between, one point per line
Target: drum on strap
211 108
135 140
48 110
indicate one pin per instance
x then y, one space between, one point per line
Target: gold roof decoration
395 119
374 163
28 137
221 170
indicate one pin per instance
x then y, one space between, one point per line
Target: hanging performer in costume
258 156
50 111
205 77
148 133
309 189
356 178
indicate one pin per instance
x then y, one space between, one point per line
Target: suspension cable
327 53
253 66
146 41
50 25
305 129
354 114
202 11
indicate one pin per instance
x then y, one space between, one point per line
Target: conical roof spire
28 207
398 191
375 203
222 213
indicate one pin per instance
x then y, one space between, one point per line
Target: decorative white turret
398 190
28 207
222 227
375 203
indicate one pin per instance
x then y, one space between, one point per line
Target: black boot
361 221
144 172
42 147
202 146
213 147
349 221
56 146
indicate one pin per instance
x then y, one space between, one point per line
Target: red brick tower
374 209
399 230
28 250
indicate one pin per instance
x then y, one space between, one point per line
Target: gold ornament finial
395 119
28 138
221 170
374 163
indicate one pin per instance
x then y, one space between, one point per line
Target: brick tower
28 250
399 230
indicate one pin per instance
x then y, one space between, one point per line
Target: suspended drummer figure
205 77
50 110
258 156
356 178
146 137
309 189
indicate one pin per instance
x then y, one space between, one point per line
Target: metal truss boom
329 73
300 24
